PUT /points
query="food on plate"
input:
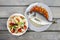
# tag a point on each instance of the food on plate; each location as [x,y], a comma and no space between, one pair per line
[38,22]
[39,10]
[35,22]
[17,24]
[39,16]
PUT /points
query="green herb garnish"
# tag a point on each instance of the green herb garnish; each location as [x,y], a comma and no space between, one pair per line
[14,27]
[21,23]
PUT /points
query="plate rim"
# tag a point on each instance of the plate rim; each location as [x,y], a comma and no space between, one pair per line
[14,33]
[41,4]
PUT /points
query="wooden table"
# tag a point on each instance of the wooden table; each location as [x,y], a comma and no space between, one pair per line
[8,7]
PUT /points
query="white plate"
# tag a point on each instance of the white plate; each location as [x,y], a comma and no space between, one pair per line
[18,34]
[41,28]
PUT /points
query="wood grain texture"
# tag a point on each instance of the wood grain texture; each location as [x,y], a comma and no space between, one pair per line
[7,11]
[31,36]
[9,7]
[27,2]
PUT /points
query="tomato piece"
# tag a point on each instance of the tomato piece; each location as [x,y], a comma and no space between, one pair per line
[11,24]
[25,27]
[13,30]
[19,30]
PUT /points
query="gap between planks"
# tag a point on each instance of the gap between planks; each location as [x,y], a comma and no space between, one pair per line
[21,6]
[31,36]
[53,28]
[28,2]
[7,11]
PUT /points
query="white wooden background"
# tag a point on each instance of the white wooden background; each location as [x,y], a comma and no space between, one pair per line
[8,7]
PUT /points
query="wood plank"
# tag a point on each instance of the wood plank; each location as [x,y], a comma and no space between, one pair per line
[40,36]
[32,36]
[7,11]
[53,27]
[27,2]
[3,24]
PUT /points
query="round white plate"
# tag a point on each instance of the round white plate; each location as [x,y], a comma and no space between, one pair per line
[18,34]
[41,28]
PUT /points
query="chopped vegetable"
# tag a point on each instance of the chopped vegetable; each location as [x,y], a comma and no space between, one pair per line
[13,30]
[11,24]
[25,27]
[22,23]
[19,30]
[14,27]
